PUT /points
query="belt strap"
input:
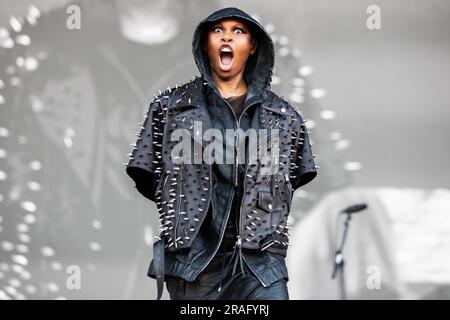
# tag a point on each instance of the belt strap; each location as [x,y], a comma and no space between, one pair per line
[158,262]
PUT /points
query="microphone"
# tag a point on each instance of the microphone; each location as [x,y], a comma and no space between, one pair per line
[355,208]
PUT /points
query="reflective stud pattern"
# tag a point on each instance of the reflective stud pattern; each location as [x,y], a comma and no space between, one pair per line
[266,202]
[182,191]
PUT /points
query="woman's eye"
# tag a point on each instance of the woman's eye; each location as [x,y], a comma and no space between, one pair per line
[219,29]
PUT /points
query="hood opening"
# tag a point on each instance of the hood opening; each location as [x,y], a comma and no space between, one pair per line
[259,66]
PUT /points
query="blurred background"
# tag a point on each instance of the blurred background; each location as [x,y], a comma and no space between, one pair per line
[76,77]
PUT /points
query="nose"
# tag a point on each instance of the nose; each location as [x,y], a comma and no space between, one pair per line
[226,36]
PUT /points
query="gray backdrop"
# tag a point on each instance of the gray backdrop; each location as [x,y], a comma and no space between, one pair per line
[70,101]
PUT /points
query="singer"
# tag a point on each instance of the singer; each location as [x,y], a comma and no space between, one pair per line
[223,225]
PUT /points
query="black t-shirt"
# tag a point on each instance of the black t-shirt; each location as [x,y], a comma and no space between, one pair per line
[237,103]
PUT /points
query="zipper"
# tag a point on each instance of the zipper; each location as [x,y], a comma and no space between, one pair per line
[238,121]
[164,186]
[233,193]
[161,190]
[177,216]
[164,183]
[236,153]
[236,183]
[239,240]
[220,240]
[288,183]
[260,280]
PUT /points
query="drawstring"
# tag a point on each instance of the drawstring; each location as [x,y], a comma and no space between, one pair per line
[237,248]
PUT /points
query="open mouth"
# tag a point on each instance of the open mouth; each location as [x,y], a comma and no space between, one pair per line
[226,58]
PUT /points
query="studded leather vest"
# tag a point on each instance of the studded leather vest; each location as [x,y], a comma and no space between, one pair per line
[182,191]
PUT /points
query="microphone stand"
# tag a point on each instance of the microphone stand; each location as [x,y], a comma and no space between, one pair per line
[339,259]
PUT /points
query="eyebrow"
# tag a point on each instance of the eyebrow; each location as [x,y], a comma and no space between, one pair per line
[236,24]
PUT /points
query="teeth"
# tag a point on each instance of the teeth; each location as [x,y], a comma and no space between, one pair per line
[226,49]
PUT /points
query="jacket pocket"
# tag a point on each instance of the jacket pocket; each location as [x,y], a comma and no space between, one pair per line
[267,201]
[178,110]
[289,191]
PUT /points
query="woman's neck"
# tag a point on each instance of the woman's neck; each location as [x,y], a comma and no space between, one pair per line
[230,88]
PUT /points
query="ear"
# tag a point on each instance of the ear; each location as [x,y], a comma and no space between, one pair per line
[254,46]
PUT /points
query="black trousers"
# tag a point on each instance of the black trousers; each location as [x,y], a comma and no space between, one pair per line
[233,285]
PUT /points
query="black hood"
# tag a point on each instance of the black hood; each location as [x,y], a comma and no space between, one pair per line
[259,67]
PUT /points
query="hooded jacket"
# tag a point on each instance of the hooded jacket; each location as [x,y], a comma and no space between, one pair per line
[194,199]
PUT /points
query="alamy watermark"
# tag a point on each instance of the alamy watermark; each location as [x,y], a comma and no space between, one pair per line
[374,19]
[263,146]
[374,279]
[73,21]
[73,281]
